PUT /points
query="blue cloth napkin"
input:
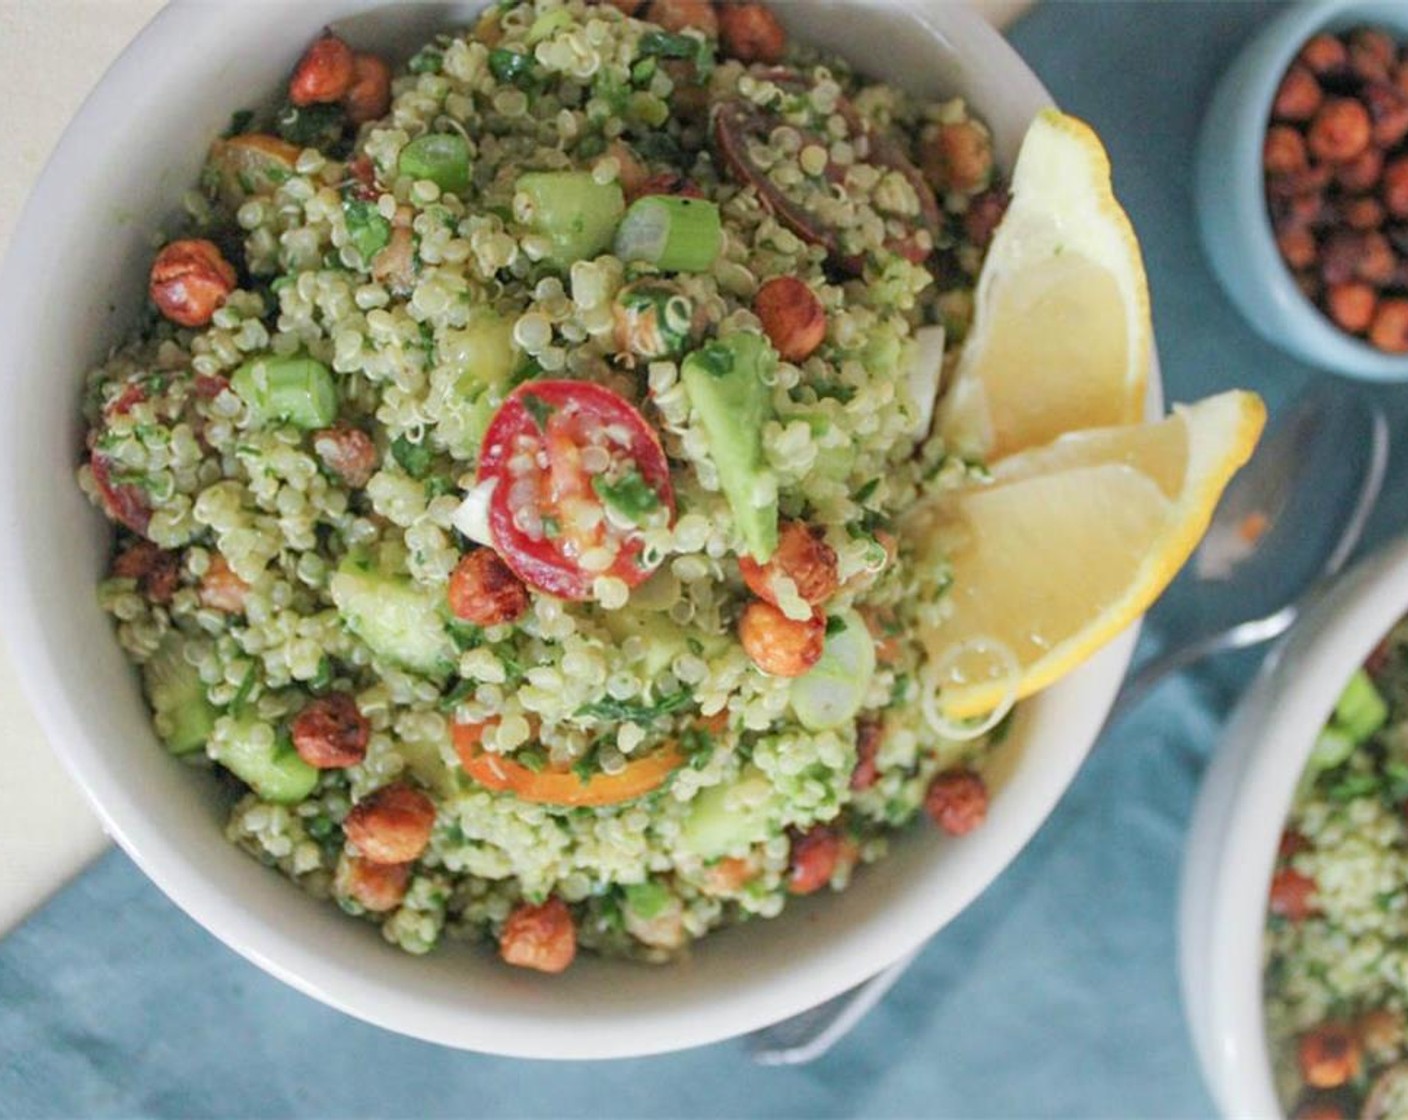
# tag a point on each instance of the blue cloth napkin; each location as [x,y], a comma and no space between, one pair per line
[1055,994]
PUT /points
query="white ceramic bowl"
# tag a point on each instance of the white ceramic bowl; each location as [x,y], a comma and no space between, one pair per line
[1241,810]
[73,282]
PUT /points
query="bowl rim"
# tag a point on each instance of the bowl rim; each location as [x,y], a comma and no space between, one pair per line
[1244,99]
[272,945]
[1263,753]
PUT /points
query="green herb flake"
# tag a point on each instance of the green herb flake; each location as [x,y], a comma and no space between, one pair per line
[835,625]
[539,409]
[368,231]
[612,710]
[511,67]
[428,60]
[630,496]
[413,458]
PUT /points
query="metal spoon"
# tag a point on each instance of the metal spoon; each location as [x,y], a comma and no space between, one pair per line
[1317,474]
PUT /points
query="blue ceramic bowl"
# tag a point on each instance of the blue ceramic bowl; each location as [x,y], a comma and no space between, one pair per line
[1232,212]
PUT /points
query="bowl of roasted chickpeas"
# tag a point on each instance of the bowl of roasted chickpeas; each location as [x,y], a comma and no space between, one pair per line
[1302,185]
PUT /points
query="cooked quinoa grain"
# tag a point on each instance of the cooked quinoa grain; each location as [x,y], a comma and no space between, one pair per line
[452,508]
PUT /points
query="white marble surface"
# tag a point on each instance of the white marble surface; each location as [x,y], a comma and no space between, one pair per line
[51,54]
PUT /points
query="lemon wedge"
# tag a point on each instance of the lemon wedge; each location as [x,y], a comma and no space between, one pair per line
[1061,334]
[1069,543]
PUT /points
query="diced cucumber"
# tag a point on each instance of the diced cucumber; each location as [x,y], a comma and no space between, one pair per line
[297,390]
[483,349]
[269,766]
[184,717]
[831,692]
[648,899]
[1332,747]
[575,212]
[726,382]
[729,818]
[396,619]
[1360,710]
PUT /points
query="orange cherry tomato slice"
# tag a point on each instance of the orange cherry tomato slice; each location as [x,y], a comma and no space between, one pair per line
[557,787]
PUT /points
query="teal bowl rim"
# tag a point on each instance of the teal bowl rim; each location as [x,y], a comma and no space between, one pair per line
[1230,193]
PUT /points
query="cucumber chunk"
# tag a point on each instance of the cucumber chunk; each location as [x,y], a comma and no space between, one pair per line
[396,619]
[184,718]
[577,214]
[726,384]
[831,692]
[262,759]
[728,819]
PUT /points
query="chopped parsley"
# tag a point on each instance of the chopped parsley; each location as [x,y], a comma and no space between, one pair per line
[632,711]
[630,496]
[539,409]
[366,228]
[413,458]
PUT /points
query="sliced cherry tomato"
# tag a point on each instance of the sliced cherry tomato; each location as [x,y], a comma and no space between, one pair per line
[577,470]
[123,502]
[553,787]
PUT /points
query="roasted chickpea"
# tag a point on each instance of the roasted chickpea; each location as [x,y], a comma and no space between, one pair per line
[347,452]
[803,556]
[956,157]
[1377,261]
[220,589]
[540,937]
[728,875]
[369,96]
[1389,330]
[190,280]
[1351,305]
[816,857]
[324,74]
[377,887]
[1283,151]
[633,173]
[331,732]
[792,317]
[1297,246]
[1381,1033]
[1298,97]
[391,825]
[1365,213]
[677,15]
[870,733]
[1340,131]
[156,571]
[1395,187]
[484,591]
[1328,1056]
[1324,54]
[751,33]
[1388,109]
[1292,895]
[957,801]
[1362,173]
[777,644]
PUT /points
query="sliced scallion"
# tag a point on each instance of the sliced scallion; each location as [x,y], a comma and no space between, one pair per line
[674,234]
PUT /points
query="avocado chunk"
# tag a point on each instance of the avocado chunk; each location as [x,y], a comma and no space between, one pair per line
[396,619]
[184,718]
[271,768]
[726,384]
[731,817]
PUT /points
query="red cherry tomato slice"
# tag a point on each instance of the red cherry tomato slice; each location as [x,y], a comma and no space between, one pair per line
[577,472]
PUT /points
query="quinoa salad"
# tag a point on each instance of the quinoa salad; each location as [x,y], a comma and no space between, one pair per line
[1336,944]
[506,474]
